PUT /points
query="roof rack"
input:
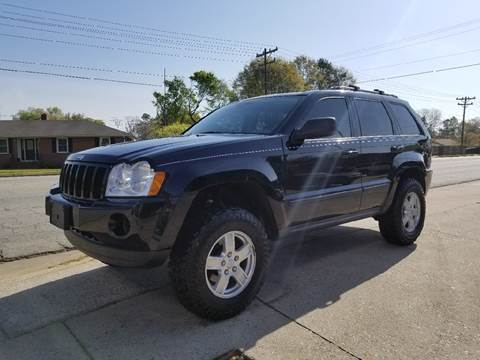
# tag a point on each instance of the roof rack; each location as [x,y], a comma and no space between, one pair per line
[357,88]
[347,87]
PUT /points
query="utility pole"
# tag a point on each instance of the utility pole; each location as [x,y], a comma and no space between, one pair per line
[265,63]
[465,101]
[164,79]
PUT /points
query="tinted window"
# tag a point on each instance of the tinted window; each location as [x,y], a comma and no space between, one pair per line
[336,108]
[406,122]
[256,116]
[374,119]
[3,146]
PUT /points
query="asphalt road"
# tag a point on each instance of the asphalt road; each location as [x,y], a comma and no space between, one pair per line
[25,231]
[343,293]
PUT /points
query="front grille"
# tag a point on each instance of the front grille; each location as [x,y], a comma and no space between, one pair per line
[83,181]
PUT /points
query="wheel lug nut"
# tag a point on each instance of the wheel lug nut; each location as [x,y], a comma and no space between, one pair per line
[234,269]
[235,258]
[229,254]
[223,263]
[226,272]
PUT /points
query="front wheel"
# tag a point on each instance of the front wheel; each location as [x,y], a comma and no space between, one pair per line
[403,222]
[218,268]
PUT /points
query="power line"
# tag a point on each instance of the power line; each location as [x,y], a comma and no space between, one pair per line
[87,68]
[72,43]
[127,33]
[421,60]
[77,77]
[420,73]
[142,34]
[405,46]
[410,38]
[148,43]
[404,86]
[465,101]
[91,19]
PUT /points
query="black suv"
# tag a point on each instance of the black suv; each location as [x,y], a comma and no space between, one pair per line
[213,200]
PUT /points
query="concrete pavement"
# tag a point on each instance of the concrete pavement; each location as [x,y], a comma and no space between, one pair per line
[342,293]
[25,230]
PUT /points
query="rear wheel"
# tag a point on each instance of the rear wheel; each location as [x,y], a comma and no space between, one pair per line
[403,222]
[218,268]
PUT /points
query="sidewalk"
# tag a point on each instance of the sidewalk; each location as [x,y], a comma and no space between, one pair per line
[341,294]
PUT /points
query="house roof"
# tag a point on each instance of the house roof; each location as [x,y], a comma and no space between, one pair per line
[56,128]
[444,142]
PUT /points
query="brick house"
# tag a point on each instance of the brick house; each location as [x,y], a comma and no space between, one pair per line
[48,142]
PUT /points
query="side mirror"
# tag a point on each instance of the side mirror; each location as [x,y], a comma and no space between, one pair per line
[313,129]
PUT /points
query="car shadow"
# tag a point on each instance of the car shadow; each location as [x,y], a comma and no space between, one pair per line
[133,313]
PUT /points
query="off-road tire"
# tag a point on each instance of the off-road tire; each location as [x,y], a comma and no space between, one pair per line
[188,256]
[390,223]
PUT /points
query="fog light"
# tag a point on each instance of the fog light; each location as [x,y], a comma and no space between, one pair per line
[119,225]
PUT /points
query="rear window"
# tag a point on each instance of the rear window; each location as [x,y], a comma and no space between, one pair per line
[408,125]
[374,119]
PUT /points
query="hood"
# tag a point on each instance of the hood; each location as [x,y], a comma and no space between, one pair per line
[165,150]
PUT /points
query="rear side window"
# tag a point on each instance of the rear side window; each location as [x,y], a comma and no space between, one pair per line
[333,107]
[374,119]
[408,125]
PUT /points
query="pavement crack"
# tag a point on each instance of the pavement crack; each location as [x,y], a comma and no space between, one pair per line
[8,259]
[85,350]
[454,183]
[64,319]
[307,328]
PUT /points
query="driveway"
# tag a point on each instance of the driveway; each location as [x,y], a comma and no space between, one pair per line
[25,231]
[343,293]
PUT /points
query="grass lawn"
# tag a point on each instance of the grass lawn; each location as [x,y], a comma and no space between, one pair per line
[28,172]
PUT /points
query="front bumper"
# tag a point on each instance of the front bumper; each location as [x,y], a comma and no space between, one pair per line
[123,232]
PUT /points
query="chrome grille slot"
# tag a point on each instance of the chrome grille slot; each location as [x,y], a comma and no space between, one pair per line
[83,181]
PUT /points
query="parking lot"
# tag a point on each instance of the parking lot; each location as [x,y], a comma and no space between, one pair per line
[340,293]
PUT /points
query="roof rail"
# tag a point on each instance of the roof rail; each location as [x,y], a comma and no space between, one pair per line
[357,88]
[347,87]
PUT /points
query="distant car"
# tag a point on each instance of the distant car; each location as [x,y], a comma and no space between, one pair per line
[215,199]
[472,150]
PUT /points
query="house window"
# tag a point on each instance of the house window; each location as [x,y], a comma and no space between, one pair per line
[4,146]
[104,141]
[62,145]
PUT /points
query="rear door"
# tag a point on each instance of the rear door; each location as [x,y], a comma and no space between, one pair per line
[322,177]
[411,135]
[378,144]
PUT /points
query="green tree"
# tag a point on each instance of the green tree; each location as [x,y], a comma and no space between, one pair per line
[451,128]
[282,77]
[332,75]
[309,70]
[175,104]
[180,104]
[53,113]
[209,92]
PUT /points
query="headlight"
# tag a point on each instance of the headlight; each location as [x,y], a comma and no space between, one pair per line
[138,179]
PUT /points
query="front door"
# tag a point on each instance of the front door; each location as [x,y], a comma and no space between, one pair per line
[322,177]
[29,151]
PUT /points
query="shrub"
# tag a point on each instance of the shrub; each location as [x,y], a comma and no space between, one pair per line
[171,130]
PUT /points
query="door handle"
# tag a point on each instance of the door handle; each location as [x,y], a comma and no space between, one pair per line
[397,148]
[350,153]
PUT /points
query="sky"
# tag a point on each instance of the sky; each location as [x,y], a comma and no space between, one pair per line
[374,39]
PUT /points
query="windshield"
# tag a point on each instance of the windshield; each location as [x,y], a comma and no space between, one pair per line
[256,116]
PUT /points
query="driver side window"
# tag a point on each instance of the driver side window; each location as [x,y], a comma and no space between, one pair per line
[333,107]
